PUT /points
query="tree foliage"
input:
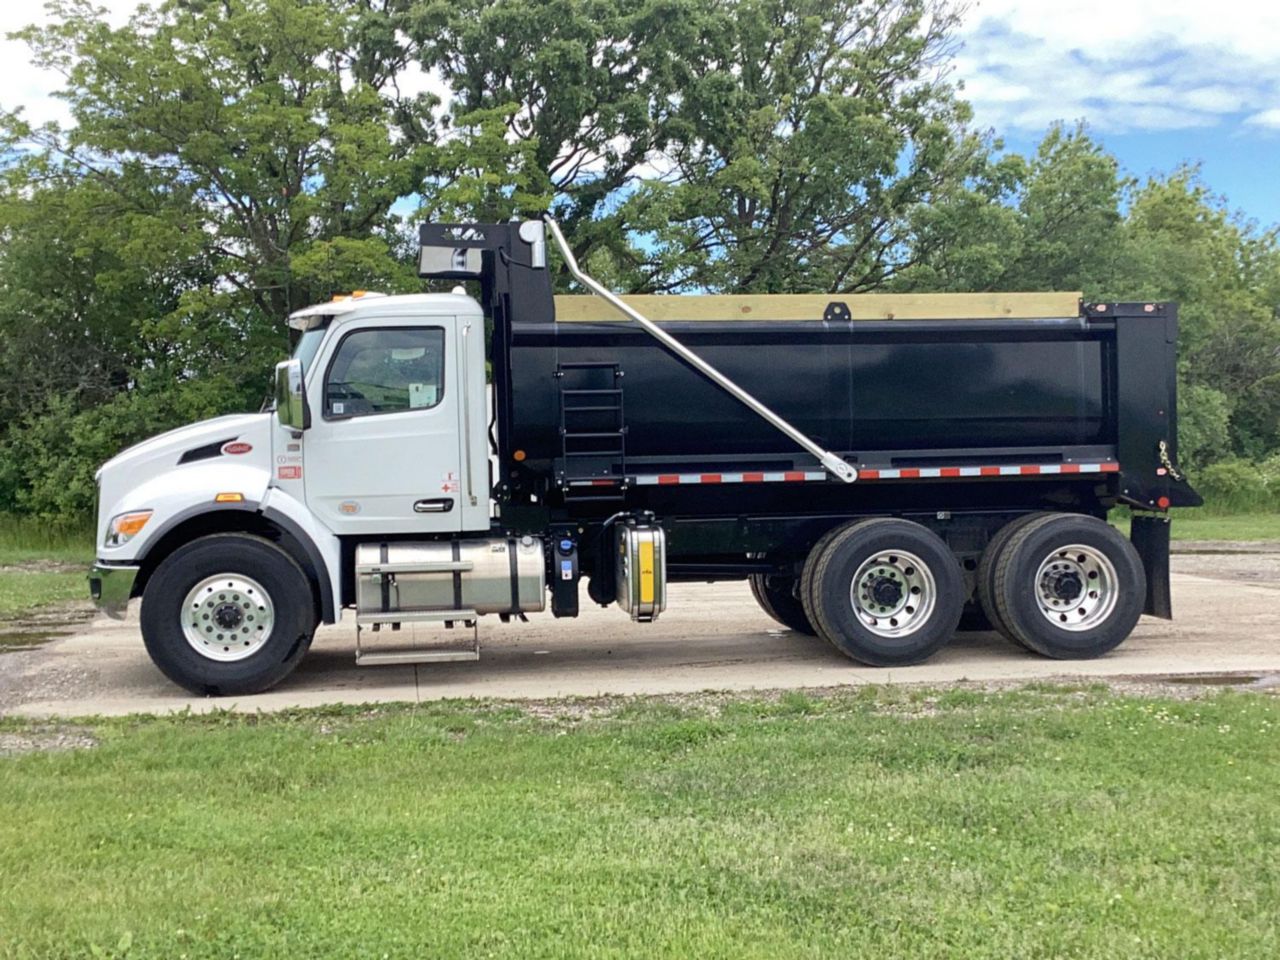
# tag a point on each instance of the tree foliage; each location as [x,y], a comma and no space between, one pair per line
[806,133]
[228,161]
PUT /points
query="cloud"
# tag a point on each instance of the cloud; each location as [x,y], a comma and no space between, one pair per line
[1265,118]
[1123,65]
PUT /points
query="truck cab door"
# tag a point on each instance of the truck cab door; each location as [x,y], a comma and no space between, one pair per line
[385,453]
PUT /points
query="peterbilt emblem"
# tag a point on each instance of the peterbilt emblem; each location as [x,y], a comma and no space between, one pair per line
[236,448]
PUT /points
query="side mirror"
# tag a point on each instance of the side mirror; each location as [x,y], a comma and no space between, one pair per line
[291,397]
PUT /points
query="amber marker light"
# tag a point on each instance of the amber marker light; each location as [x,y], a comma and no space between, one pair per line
[229,498]
[125,526]
[518,456]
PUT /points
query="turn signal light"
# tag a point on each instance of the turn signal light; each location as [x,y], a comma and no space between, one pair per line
[125,526]
[229,498]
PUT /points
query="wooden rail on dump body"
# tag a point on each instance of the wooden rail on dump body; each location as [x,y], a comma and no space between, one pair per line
[810,306]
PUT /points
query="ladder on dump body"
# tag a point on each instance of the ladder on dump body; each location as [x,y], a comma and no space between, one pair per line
[593,430]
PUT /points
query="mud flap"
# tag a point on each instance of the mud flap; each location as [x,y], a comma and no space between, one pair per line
[1150,537]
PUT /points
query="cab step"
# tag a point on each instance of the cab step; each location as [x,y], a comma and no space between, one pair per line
[422,653]
[374,658]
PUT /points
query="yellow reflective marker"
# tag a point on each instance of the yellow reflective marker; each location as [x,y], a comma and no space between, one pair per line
[229,498]
[646,571]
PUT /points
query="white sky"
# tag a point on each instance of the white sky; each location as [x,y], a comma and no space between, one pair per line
[1125,65]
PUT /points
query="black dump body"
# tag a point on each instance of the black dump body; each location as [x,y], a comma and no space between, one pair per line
[944,418]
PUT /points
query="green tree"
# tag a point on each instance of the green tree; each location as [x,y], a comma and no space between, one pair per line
[258,128]
[808,132]
[1181,243]
[568,101]
[228,162]
[1051,221]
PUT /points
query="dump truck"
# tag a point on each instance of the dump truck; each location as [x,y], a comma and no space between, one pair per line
[878,469]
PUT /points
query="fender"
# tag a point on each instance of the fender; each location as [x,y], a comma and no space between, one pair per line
[176,506]
[323,552]
[323,548]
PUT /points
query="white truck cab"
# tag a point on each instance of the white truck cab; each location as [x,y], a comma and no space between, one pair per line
[395,390]
[380,432]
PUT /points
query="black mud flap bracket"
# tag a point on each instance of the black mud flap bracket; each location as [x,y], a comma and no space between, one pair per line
[1150,537]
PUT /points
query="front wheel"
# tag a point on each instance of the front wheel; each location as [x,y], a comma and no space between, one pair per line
[885,592]
[1069,587]
[228,614]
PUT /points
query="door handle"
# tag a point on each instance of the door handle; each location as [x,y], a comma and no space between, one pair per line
[438,505]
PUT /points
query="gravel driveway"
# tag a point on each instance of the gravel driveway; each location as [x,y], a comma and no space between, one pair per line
[712,637]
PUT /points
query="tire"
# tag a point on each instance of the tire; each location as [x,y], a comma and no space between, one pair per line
[241,649]
[806,573]
[1069,587]
[777,597]
[986,576]
[894,560]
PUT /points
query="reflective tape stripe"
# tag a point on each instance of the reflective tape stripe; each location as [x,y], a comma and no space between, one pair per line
[879,473]
[789,476]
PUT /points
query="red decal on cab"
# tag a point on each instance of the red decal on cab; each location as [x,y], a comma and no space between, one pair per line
[235,449]
[289,473]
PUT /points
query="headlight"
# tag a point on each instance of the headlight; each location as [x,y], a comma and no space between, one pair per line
[125,526]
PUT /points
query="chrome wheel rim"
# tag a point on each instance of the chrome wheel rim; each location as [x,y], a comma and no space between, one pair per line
[893,593]
[227,617]
[1076,588]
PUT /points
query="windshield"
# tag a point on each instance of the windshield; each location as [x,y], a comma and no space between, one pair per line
[307,345]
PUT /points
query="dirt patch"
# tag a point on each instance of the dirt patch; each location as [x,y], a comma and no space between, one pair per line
[1217,679]
[42,625]
[46,739]
[1256,567]
[1225,546]
[42,566]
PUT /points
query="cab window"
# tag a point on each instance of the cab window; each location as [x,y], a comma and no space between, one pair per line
[385,371]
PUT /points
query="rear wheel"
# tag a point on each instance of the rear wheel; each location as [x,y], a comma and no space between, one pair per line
[228,614]
[885,592]
[986,576]
[1069,587]
[777,597]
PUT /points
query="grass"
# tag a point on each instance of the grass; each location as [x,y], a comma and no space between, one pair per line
[36,555]
[1043,822]
[1249,526]
[1200,524]
[23,590]
[23,541]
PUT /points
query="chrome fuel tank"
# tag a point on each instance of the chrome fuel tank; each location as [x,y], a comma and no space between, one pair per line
[505,575]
